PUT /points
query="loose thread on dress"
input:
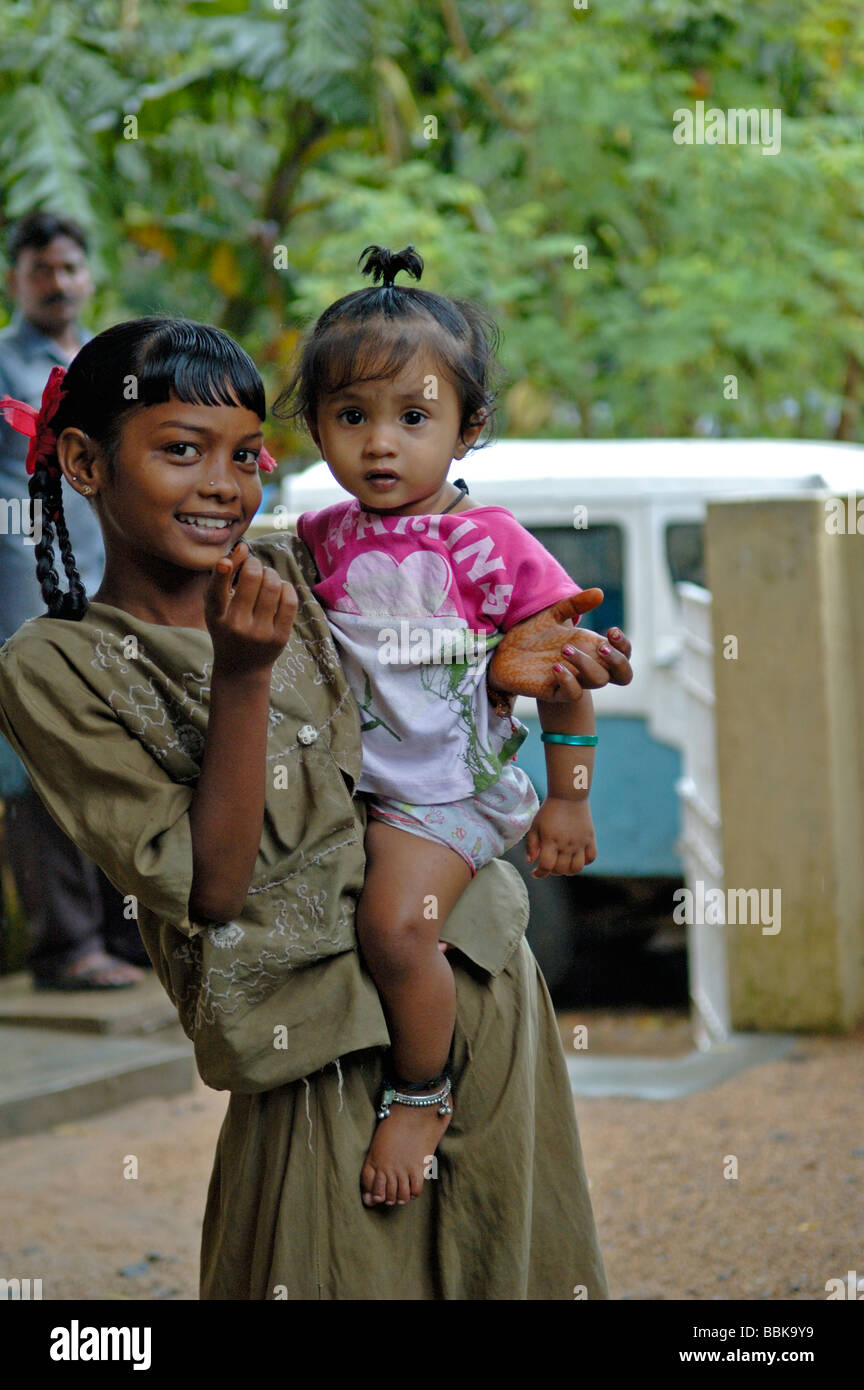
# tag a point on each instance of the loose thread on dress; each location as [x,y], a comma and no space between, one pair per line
[308,1115]
[339,1073]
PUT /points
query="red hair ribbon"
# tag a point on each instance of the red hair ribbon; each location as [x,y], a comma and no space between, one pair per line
[36,423]
[266,461]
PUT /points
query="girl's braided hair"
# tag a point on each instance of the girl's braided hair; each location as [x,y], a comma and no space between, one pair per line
[374,333]
[125,369]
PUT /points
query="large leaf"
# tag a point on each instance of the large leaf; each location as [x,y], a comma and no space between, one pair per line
[42,156]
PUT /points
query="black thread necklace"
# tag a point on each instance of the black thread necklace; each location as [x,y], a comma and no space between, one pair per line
[463,492]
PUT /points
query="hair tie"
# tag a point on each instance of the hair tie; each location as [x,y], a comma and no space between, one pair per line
[43,445]
[266,462]
[35,425]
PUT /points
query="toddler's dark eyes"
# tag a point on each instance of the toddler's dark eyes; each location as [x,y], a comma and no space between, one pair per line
[352,416]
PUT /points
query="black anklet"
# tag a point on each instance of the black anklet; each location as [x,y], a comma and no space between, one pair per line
[412,1087]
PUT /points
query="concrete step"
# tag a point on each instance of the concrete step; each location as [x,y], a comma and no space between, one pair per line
[46,1079]
[145,1008]
[665,1078]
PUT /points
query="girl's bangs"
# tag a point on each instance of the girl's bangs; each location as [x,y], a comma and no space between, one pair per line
[202,368]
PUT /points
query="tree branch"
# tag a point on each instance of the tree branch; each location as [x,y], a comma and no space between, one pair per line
[305,127]
[459,39]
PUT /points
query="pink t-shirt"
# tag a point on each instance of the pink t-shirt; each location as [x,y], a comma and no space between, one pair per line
[401,593]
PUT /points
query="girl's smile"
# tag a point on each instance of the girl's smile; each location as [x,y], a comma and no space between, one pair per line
[390,442]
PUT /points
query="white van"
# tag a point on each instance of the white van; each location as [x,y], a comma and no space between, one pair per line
[627,516]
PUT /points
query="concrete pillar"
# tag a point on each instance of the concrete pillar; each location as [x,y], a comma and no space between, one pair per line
[790,755]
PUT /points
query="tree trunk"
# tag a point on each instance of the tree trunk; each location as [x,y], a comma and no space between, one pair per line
[847,426]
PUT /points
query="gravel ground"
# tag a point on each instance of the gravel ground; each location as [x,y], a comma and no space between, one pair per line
[672,1226]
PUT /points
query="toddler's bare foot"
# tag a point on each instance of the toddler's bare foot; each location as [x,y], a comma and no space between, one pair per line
[400,1149]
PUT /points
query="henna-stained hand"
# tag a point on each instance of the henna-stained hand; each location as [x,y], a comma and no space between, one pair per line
[524,662]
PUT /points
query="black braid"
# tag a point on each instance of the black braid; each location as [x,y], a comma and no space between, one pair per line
[46,488]
[76,599]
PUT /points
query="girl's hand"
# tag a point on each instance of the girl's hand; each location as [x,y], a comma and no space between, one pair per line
[548,658]
[562,835]
[251,623]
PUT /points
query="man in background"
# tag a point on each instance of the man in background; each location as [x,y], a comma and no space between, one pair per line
[72,910]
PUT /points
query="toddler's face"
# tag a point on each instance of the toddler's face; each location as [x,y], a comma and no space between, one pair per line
[391,442]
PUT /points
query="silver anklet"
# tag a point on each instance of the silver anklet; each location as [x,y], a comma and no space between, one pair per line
[391,1096]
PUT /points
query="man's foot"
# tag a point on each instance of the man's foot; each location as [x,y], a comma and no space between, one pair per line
[400,1150]
[96,970]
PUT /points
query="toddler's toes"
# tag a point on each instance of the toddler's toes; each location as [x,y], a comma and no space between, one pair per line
[372,1183]
[392,1189]
[403,1188]
[379,1187]
[367,1181]
[417,1182]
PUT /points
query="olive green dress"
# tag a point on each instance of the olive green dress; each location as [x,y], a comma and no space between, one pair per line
[109,715]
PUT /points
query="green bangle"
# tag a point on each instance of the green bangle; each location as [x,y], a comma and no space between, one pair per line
[588,740]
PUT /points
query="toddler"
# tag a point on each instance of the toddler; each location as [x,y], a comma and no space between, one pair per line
[419,586]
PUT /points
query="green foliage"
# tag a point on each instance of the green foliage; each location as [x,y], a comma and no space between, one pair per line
[311,127]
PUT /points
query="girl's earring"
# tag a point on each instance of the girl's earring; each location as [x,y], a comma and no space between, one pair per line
[86,488]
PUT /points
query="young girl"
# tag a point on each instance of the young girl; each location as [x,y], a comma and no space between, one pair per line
[418,586]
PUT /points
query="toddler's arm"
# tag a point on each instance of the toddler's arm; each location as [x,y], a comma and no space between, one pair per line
[561,838]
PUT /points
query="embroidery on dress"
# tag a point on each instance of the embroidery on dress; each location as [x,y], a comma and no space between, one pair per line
[161,722]
[229,935]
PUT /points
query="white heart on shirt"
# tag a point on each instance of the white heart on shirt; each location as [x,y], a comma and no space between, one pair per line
[382,587]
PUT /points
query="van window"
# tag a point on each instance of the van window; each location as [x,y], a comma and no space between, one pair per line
[685,552]
[594,558]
